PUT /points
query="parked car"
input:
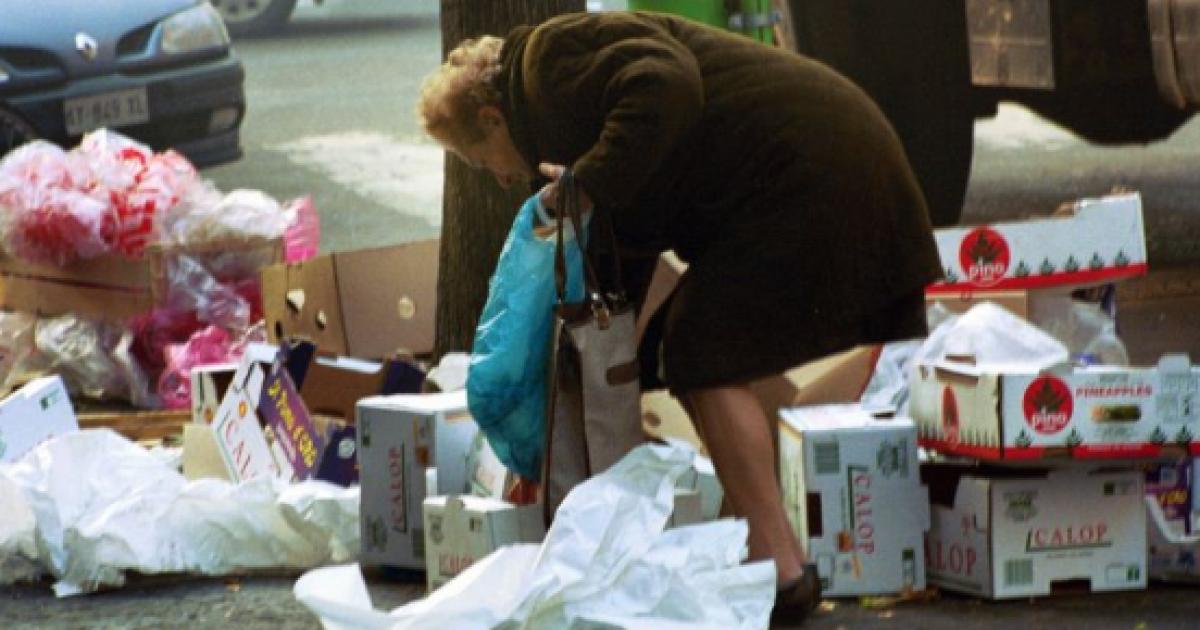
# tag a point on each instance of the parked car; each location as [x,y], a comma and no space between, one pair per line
[160,71]
[255,17]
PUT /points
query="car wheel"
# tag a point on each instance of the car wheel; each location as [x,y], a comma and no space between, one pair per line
[254,17]
[14,131]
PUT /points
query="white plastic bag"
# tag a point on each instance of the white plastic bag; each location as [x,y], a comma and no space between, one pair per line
[992,336]
[606,562]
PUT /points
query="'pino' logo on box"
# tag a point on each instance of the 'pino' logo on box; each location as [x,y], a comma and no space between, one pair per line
[1048,405]
[984,256]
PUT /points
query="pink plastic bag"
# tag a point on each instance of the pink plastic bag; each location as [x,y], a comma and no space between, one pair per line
[60,227]
[209,346]
[48,218]
[159,186]
[302,239]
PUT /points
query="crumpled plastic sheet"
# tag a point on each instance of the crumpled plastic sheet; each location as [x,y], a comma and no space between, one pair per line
[193,288]
[16,345]
[101,506]
[606,563]
[888,388]
[994,337]
[95,358]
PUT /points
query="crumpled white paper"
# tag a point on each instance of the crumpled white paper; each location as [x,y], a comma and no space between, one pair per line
[96,505]
[606,562]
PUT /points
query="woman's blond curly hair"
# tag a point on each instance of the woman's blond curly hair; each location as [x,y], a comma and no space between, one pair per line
[452,95]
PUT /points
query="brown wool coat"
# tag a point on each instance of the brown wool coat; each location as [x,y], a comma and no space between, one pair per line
[779,181]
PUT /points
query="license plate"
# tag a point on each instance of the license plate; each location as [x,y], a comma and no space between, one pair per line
[114,109]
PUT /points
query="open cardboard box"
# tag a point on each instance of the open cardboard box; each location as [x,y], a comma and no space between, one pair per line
[368,303]
[113,287]
[1100,241]
[1005,533]
[1021,413]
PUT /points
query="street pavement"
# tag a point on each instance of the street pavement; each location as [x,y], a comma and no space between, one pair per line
[331,115]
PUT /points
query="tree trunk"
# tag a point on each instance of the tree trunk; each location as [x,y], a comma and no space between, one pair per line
[476,212]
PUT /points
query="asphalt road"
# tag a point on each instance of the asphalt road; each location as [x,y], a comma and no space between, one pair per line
[331,115]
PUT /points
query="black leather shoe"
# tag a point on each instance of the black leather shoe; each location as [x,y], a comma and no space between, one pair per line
[796,601]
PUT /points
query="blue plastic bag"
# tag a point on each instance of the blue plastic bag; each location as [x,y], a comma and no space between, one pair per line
[506,381]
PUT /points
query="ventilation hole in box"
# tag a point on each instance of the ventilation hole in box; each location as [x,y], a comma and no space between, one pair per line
[813,514]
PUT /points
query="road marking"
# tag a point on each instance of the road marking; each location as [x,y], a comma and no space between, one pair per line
[1016,128]
[406,177]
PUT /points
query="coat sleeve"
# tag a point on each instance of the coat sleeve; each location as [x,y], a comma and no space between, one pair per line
[650,95]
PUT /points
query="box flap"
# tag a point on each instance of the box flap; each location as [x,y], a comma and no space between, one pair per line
[388,298]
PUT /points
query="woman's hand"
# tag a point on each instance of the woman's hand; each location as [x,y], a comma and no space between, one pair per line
[549,192]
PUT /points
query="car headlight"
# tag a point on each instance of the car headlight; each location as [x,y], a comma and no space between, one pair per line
[198,28]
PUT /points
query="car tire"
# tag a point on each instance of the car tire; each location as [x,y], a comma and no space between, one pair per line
[14,131]
[254,17]
[925,90]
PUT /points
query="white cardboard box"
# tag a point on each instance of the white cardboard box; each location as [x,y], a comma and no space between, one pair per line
[1102,241]
[461,530]
[1014,534]
[1016,412]
[398,438]
[852,491]
[239,434]
[33,414]
[209,384]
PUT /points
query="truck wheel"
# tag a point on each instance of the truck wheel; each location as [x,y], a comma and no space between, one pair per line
[254,17]
[912,58]
[14,131]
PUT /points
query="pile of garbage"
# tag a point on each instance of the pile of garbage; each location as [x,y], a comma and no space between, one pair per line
[114,198]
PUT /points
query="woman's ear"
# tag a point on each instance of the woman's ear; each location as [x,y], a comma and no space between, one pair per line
[490,117]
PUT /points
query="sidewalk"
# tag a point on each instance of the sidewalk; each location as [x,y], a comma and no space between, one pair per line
[265,602]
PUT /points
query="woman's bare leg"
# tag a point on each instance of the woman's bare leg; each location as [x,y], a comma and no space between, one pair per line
[738,435]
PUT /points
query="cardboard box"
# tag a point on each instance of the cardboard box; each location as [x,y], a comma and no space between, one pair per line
[853,495]
[33,414]
[1002,534]
[240,438]
[110,287]
[664,418]
[332,386]
[369,303]
[461,530]
[289,424]
[838,378]
[1172,553]
[201,455]
[488,477]
[398,438]
[1014,413]
[1101,241]
[209,384]
[1170,484]
[701,479]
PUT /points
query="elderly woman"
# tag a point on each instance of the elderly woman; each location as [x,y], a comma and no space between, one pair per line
[777,180]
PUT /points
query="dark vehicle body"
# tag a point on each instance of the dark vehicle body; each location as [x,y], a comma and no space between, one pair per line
[67,66]
[1112,71]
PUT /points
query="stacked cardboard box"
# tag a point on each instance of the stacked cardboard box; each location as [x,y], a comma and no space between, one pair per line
[852,491]
[399,438]
[1005,531]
